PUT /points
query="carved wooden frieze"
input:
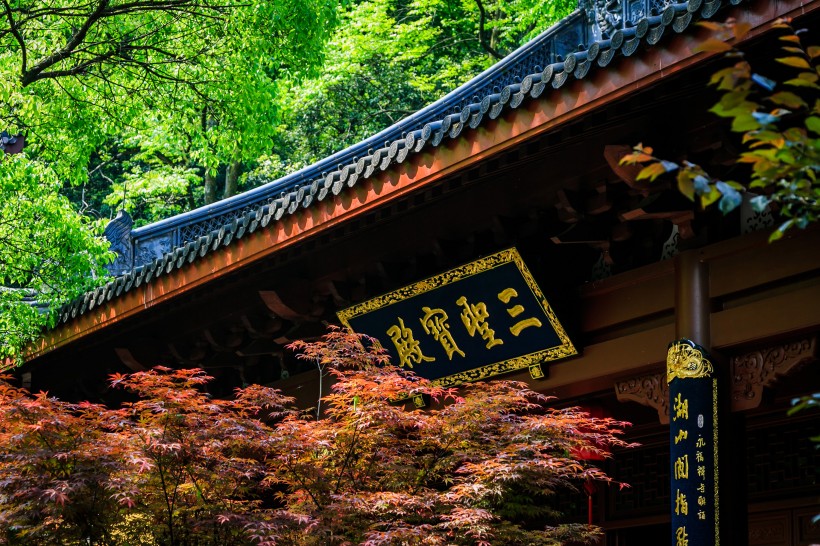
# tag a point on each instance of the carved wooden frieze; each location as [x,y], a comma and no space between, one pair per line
[648,390]
[753,371]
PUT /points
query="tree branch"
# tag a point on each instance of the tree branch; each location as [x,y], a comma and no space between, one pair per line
[75,40]
[482,36]
[15,31]
[74,71]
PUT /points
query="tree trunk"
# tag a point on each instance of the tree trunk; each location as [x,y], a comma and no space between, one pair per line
[231,178]
[210,188]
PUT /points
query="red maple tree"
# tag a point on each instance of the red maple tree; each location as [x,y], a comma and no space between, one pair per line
[177,467]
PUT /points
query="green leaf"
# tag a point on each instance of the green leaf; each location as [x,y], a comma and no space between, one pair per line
[797,62]
[745,122]
[797,50]
[734,102]
[701,184]
[804,79]
[686,185]
[759,203]
[788,99]
[813,124]
[730,198]
[759,138]
[709,198]
[724,78]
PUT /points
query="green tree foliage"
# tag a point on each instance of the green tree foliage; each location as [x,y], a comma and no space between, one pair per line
[175,467]
[390,58]
[47,251]
[199,76]
[780,126]
[163,91]
[167,103]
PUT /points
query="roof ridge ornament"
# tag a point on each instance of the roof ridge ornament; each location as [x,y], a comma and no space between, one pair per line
[608,16]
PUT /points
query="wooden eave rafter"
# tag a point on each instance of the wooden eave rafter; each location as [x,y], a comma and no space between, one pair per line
[535,117]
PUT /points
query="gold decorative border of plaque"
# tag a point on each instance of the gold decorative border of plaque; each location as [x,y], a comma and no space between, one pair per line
[511,255]
[715,460]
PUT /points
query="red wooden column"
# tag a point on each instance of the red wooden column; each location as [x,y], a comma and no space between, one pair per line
[700,500]
[692,303]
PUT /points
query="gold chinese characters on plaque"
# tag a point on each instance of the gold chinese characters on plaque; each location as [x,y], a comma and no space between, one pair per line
[476,321]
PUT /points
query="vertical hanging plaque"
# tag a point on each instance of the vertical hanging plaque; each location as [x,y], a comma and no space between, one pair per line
[693,442]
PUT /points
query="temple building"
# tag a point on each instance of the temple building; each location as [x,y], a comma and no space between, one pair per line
[518,166]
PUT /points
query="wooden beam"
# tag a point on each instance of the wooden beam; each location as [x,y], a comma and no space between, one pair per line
[130,361]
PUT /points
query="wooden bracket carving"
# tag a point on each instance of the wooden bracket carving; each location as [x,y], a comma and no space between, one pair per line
[755,370]
[293,303]
[274,302]
[648,390]
[751,372]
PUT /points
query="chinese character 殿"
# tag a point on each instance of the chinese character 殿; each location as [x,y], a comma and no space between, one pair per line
[406,345]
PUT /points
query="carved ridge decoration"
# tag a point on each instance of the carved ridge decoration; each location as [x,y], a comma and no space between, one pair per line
[753,371]
[648,390]
[608,15]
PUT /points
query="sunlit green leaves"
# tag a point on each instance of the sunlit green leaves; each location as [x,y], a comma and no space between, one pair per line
[176,88]
[157,191]
[796,62]
[783,157]
[389,58]
[48,253]
[204,73]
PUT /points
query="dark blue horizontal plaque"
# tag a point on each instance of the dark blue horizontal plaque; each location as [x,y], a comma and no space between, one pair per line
[479,320]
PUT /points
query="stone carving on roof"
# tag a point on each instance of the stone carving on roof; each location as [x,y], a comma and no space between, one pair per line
[608,16]
[152,249]
[118,233]
[12,144]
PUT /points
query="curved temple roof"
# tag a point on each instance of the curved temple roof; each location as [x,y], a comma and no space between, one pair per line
[591,36]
